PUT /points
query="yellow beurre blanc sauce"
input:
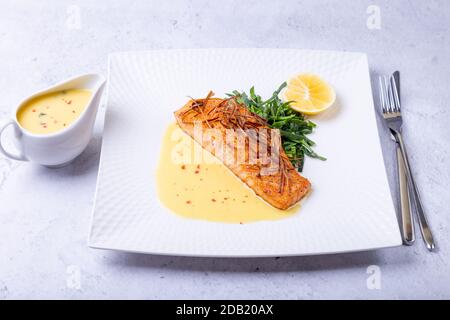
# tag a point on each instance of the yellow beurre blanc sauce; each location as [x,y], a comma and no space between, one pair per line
[192,183]
[54,111]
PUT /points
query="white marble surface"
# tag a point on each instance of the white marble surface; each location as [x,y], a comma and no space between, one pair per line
[44,214]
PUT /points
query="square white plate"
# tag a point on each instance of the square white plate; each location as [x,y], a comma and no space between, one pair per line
[350,208]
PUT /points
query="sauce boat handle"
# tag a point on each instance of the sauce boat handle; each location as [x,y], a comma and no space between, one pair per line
[21,156]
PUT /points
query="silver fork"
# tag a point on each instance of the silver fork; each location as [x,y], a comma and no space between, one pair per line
[391,110]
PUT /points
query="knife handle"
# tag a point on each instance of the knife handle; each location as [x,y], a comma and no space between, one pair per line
[405,206]
[423,223]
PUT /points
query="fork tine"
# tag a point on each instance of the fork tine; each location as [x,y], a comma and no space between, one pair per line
[396,97]
[388,100]
[390,97]
[383,95]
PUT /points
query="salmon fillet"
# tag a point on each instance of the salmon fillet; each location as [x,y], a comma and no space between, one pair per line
[280,185]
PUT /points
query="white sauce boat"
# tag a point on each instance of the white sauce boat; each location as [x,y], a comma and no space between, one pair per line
[61,147]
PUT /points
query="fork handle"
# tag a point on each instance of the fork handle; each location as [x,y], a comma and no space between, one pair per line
[405,205]
[423,223]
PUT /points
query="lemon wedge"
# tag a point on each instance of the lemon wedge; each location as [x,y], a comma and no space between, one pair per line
[309,93]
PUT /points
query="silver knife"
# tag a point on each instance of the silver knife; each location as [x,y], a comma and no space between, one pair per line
[413,192]
[405,203]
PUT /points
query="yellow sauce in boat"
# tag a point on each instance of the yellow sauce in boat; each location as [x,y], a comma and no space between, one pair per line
[205,188]
[54,111]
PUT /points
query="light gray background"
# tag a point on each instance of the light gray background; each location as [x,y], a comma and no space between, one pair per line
[45,214]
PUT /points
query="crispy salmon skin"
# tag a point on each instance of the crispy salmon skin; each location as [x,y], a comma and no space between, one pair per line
[283,187]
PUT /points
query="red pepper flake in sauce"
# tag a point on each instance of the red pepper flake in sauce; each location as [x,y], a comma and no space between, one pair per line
[188,202]
[69,102]
[225,198]
[213,200]
[196,171]
[34,110]
[183,167]
[198,166]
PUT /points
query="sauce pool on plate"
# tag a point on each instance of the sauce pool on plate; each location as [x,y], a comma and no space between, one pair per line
[206,189]
[54,111]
